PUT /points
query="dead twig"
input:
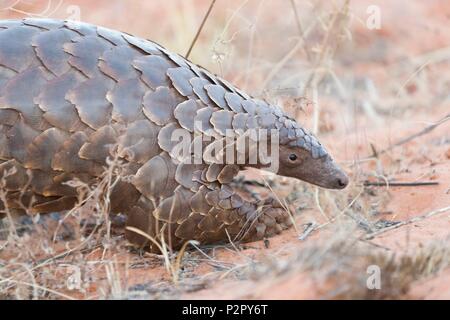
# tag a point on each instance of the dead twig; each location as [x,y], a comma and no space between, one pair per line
[406,222]
[399,184]
[308,228]
[413,136]
[200,28]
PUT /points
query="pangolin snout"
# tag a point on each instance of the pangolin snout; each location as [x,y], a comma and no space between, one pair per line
[333,175]
[341,181]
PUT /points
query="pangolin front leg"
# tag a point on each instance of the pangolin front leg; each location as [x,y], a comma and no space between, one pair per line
[202,209]
[209,213]
[271,215]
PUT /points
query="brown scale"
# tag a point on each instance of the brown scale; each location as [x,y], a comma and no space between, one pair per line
[58,111]
[73,95]
[126,99]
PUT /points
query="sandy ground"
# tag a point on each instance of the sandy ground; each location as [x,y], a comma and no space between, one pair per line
[392,83]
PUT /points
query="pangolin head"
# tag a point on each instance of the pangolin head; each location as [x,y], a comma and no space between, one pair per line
[303,157]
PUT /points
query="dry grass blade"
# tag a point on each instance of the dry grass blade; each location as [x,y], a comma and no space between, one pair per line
[172,268]
[38,287]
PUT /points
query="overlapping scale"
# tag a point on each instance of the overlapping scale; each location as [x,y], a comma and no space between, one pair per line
[84,29]
[228,173]
[180,78]
[43,148]
[112,36]
[234,102]
[67,159]
[43,23]
[188,229]
[127,100]
[116,63]
[174,209]
[198,203]
[202,122]
[161,169]
[85,52]
[20,91]
[217,94]
[167,137]
[90,101]
[186,112]
[15,51]
[146,46]
[99,145]
[49,48]
[222,122]
[185,173]
[19,138]
[198,87]
[153,69]
[159,105]
[58,111]
[139,143]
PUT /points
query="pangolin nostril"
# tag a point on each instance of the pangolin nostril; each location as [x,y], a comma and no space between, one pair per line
[342,182]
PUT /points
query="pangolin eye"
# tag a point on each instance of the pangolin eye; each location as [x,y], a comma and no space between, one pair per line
[292,157]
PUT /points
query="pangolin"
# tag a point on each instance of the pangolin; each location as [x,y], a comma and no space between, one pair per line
[73,95]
